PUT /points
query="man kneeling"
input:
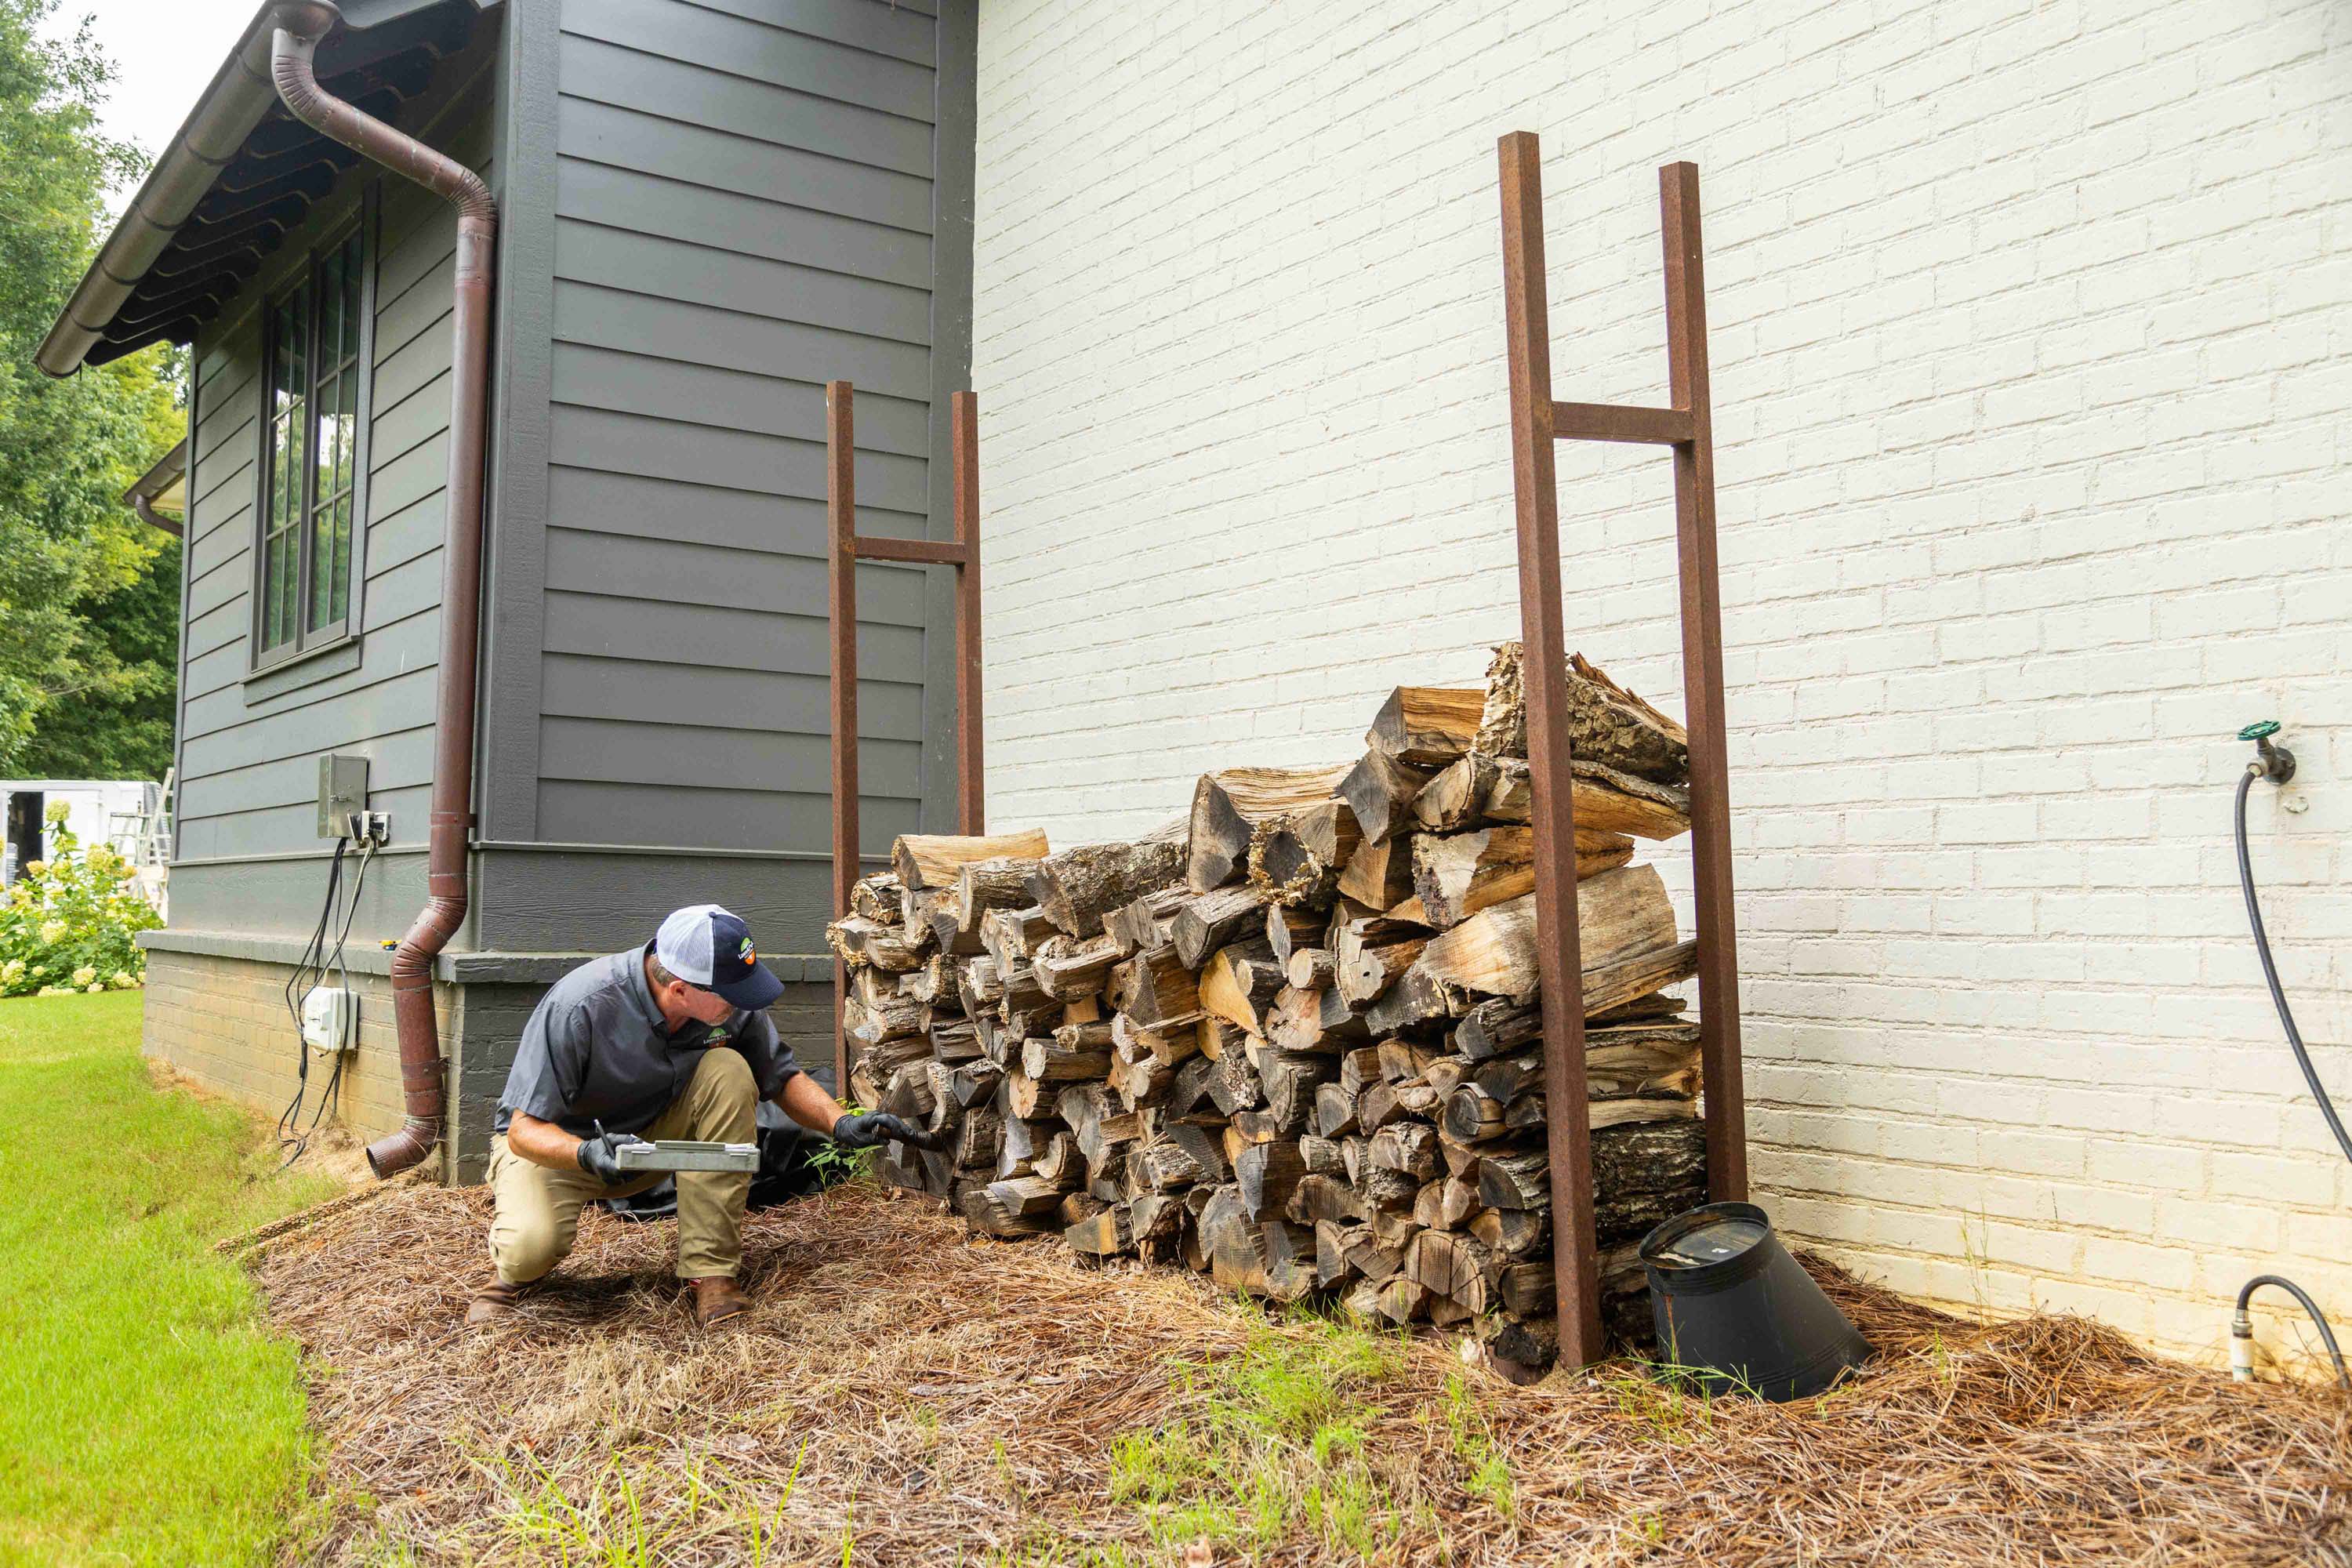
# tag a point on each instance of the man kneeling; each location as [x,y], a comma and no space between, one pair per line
[668,1040]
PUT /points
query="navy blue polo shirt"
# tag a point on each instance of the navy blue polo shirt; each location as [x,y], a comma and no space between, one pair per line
[597,1050]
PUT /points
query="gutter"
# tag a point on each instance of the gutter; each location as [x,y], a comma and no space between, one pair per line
[299,26]
[169,470]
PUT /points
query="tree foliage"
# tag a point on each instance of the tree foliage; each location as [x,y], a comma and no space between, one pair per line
[84,677]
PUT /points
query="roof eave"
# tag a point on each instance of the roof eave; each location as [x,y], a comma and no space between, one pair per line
[240,94]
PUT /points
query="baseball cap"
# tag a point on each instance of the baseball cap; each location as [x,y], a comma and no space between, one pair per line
[708,946]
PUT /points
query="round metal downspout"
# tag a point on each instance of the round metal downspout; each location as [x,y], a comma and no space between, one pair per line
[299,26]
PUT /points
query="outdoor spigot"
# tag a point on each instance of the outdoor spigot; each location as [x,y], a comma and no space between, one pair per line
[2275,763]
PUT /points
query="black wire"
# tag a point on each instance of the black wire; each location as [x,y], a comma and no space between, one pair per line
[311,963]
[330,1098]
[2303,1060]
[2270,974]
[2327,1334]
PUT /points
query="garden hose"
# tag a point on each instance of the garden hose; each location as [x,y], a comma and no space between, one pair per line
[2277,764]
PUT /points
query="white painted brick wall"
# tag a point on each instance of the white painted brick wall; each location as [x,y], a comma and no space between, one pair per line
[2031,334]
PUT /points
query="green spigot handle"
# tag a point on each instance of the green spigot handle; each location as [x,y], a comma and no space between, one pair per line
[2275,763]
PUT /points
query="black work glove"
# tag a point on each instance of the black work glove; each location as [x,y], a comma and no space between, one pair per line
[598,1155]
[869,1131]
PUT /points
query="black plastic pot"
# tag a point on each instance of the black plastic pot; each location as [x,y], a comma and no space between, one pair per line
[1735,1311]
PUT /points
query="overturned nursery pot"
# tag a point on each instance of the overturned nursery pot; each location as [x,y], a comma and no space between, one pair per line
[1736,1311]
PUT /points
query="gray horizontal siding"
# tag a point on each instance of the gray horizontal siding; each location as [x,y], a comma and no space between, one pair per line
[743,207]
[248,747]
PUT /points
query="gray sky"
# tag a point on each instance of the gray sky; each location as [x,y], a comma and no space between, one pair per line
[163,53]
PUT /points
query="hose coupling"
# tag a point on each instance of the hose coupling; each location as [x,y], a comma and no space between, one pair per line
[2241,1347]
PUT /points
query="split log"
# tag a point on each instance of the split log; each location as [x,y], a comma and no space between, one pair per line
[1013,935]
[1313,1020]
[1043,1061]
[1144,923]
[1296,858]
[1077,886]
[1381,791]
[1066,968]
[1289,929]
[1372,954]
[1606,723]
[1455,875]
[1235,1249]
[1378,874]
[1155,988]
[1619,914]
[1456,1265]
[1426,726]
[1228,804]
[984,885]
[1289,1253]
[890,1020]
[1266,1175]
[1206,921]
[878,898]
[1308,968]
[1479,788]
[934,860]
[1239,982]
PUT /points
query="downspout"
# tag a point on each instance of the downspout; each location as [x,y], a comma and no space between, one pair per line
[299,27]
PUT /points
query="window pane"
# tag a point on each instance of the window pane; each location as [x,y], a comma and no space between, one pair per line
[273,624]
[331,311]
[342,601]
[351,279]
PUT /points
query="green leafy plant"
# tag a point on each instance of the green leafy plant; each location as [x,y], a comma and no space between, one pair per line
[835,1164]
[71,922]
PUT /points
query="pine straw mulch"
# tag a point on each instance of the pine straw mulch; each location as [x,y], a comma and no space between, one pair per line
[931,1399]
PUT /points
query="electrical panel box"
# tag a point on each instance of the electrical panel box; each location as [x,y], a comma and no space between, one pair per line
[343,790]
[330,1019]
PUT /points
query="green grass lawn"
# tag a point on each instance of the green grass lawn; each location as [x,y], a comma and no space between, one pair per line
[146,1415]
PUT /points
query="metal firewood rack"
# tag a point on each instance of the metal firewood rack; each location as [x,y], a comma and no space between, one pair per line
[847,548]
[1537,422]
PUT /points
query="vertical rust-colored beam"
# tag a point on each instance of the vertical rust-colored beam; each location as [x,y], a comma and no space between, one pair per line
[841,610]
[1559,967]
[1702,620]
[972,798]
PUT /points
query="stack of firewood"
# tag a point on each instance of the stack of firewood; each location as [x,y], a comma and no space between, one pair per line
[1292,1039]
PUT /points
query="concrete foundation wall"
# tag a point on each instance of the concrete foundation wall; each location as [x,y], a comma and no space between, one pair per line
[2030,328]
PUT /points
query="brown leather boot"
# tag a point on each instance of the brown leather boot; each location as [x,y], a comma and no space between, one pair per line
[493,1303]
[717,1298]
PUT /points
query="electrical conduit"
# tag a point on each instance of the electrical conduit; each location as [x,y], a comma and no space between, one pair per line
[299,29]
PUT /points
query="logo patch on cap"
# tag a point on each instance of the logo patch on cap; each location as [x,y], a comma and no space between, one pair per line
[749,956]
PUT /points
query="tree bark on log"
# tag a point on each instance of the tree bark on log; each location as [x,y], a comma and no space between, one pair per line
[1077,886]
[1606,723]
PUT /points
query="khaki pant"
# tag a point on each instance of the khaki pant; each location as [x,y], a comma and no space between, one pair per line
[539,1209]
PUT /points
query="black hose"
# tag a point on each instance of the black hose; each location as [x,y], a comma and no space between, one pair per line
[2270,972]
[2310,1075]
[2327,1334]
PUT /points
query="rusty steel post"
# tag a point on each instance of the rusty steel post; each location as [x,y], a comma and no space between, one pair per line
[847,550]
[1559,967]
[971,797]
[841,611]
[1702,627]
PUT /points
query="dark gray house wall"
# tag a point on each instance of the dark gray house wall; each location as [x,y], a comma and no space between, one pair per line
[732,203]
[248,860]
[708,208]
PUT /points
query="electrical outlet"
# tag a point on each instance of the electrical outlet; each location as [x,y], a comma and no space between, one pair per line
[376,829]
[330,1019]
